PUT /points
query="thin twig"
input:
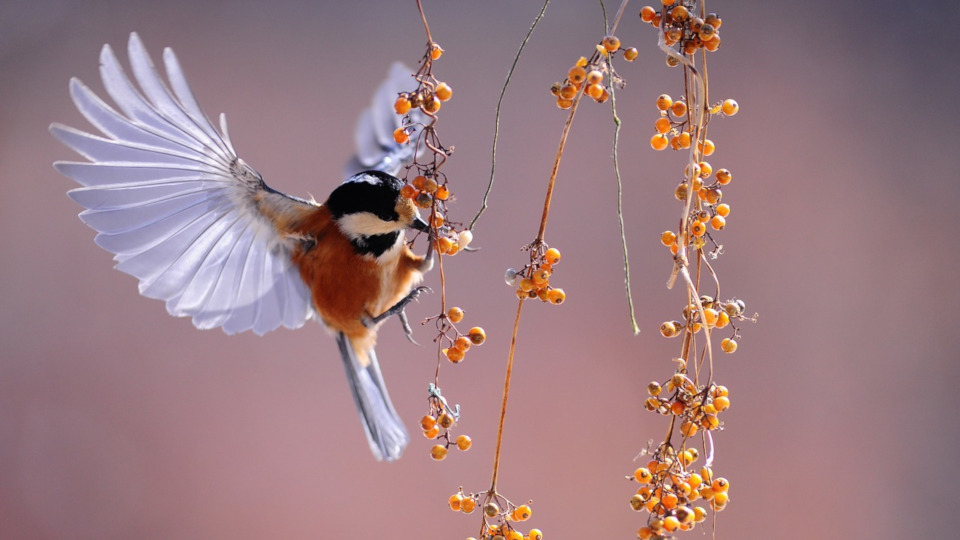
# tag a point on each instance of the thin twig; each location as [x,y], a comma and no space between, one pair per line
[496,122]
[616,170]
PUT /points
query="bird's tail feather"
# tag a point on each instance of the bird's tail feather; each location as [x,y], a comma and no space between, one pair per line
[385,431]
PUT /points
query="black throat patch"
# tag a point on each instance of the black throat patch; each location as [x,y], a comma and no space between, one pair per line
[376,244]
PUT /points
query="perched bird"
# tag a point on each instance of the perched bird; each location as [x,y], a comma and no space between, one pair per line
[200,229]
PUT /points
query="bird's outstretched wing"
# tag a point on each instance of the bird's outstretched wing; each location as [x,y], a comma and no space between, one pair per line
[373,136]
[168,195]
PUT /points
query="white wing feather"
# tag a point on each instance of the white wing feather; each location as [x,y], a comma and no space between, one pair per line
[169,197]
[373,136]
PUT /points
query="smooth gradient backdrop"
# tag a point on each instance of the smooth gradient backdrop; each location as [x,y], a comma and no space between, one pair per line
[119,421]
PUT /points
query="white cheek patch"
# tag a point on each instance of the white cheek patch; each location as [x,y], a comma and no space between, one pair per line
[366,224]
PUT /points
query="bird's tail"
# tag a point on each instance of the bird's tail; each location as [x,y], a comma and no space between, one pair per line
[385,431]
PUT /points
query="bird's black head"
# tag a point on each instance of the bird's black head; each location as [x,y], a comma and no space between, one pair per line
[369,210]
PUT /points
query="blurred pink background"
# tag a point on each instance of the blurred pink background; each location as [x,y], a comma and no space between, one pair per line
[119,421]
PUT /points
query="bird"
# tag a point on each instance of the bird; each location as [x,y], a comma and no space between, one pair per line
[201,230]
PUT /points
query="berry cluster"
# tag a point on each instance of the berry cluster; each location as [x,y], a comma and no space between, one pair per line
[683,27]
[592,76]
[669,488]
[459,343]
[437,425]
[670,484]
[429,190]
[715,314]
[533,280]
[500,516]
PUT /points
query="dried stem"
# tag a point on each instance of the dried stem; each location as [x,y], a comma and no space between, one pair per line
[556,167]
[503,403]
[426,26]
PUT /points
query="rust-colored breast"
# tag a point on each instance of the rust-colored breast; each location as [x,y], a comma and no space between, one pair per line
[345,285]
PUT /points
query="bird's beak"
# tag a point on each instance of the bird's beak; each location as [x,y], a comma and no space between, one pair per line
[420,225]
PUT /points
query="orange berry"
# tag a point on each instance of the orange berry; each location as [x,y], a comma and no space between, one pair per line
[418,181]
[446,421]
[443,193]
[432,433]
[564,103]
[723,210]
[662,125]
[721,403]
[647,13]
[464,442]
[710,317]
[669,329]
[552,256]
[719,500]
[678,14]
[402,105]
[523,512]
[568,91]
[720,391]
[680,192]
[400,135]
[430,186]
[541,277]
[684,140]
[477,335]
[659,141]
[724,176]
[718,223]
[595,77]
[664,102]
[645,533]
[463,343]
[454,354]
[728,345]
[713,44]
[610,43]
[677,408]
[643,475]
[535,534]
[630,54]
[455,315]
[679,108]
[444,244]
[713,196]
[705,169]
[710,421]
[428,422]
[435,51]
[408,191]
[707,147]
[723,320]
[431,105]
[668,238]
[443,91]
[595,91]
[438,452]
[468,505]
[556,296]
[455,502]
[689,429]
[697,228]
[576,75]
[671,523]
[730,107]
